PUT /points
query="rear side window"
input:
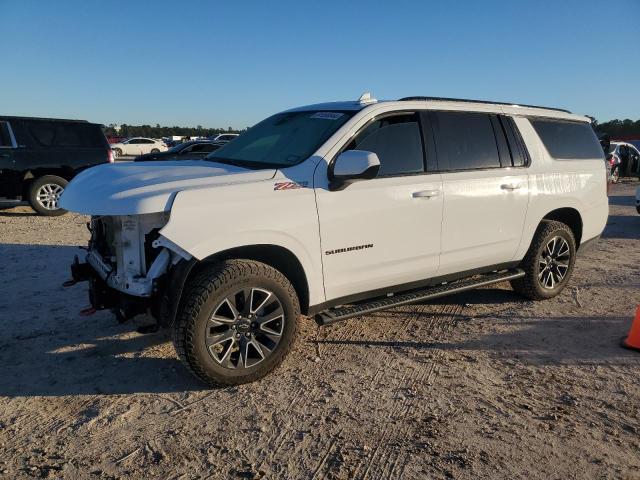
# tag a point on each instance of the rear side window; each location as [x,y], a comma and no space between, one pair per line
[568,140]
[517,148]
[5,137]
[397,142]
[465,141]
[202,147]
[62,134]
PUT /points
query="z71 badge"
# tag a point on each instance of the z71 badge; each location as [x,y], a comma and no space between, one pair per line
[289,185]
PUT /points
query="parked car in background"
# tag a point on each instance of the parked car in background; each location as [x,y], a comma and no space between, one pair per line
[638,199]
[115,139]
[624,160]
[225,137]
[138,146]
[192,150]
[39,156]
[339,210]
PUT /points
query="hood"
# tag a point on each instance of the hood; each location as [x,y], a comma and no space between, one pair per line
[131,188]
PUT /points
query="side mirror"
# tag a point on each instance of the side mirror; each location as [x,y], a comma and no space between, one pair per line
[351,166]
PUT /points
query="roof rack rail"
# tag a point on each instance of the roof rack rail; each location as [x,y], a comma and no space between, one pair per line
[19,117]
[446,99]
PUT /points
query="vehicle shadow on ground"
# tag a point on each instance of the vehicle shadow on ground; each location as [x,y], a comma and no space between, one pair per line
[48,349]
[622,200]
[534,340]
[13,212]
[623,227]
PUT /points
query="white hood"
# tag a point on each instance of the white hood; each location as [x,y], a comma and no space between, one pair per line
[133,188]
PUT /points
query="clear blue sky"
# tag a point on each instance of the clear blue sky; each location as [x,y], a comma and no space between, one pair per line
[220,64]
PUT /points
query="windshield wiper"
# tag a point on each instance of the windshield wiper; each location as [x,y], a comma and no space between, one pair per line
[245,163]
[227,161]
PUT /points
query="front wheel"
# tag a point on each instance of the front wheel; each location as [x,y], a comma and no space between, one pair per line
[44,194]
[548,263]
[237,322]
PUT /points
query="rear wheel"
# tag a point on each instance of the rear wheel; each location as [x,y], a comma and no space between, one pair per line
[237,322]
[44,194]
[615,175]
[155,150]
[548,263]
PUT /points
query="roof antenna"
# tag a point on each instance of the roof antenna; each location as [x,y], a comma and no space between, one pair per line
[366,98]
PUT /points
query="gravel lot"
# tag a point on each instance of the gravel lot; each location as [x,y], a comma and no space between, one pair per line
[478,385]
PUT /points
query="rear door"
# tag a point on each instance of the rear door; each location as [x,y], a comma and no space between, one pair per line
[8,172]
[149,145]
[485,186]
[132,147]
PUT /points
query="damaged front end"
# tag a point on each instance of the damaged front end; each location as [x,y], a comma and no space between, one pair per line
[129,265]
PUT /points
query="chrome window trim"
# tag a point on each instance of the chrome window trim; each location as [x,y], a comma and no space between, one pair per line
[12,137]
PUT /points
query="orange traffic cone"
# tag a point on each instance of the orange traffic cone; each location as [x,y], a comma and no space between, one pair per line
[633,339]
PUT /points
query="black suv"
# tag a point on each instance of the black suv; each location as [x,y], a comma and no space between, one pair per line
[39,156]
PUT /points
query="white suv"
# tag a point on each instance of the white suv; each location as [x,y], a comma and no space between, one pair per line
[138,146]
[337,210]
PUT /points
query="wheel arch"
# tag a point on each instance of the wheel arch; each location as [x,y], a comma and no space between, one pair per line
[32,174]
[571,218]
[275,256]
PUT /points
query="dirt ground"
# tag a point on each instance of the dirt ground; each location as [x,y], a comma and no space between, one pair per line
[480,385]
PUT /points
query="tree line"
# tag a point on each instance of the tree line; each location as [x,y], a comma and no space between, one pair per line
[618,128]
[614,128]
[150,131]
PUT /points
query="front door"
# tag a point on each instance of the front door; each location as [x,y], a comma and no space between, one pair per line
[380,233]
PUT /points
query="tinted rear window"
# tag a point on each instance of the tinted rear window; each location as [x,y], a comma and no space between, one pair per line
[5,138]
[60,134]
[568,140]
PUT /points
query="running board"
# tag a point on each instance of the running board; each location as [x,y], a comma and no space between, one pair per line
[345,312]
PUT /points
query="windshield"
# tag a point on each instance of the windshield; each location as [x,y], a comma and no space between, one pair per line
[178,147]
[283,140]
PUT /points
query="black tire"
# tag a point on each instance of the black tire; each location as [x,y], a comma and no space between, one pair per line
[615,175]
[206,294]
[44,193]
[539,284]
[155,150]
[117,152]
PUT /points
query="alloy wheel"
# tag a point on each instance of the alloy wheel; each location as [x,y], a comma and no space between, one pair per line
[554,261]
[245,328]
[48,195]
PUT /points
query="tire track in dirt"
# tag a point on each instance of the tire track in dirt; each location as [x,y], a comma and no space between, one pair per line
[331,354]
[430,322]
[385,459]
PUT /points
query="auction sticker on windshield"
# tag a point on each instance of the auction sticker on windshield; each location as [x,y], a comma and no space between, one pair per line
[327,115]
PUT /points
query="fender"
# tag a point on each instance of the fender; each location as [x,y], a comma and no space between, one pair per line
[207,221]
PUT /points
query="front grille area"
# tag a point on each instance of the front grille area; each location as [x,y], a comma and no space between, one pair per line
[103,237]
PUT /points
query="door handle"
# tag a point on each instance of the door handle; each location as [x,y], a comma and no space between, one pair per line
[510,186]
[426,194]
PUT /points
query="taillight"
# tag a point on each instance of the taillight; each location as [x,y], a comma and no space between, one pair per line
[110,158]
